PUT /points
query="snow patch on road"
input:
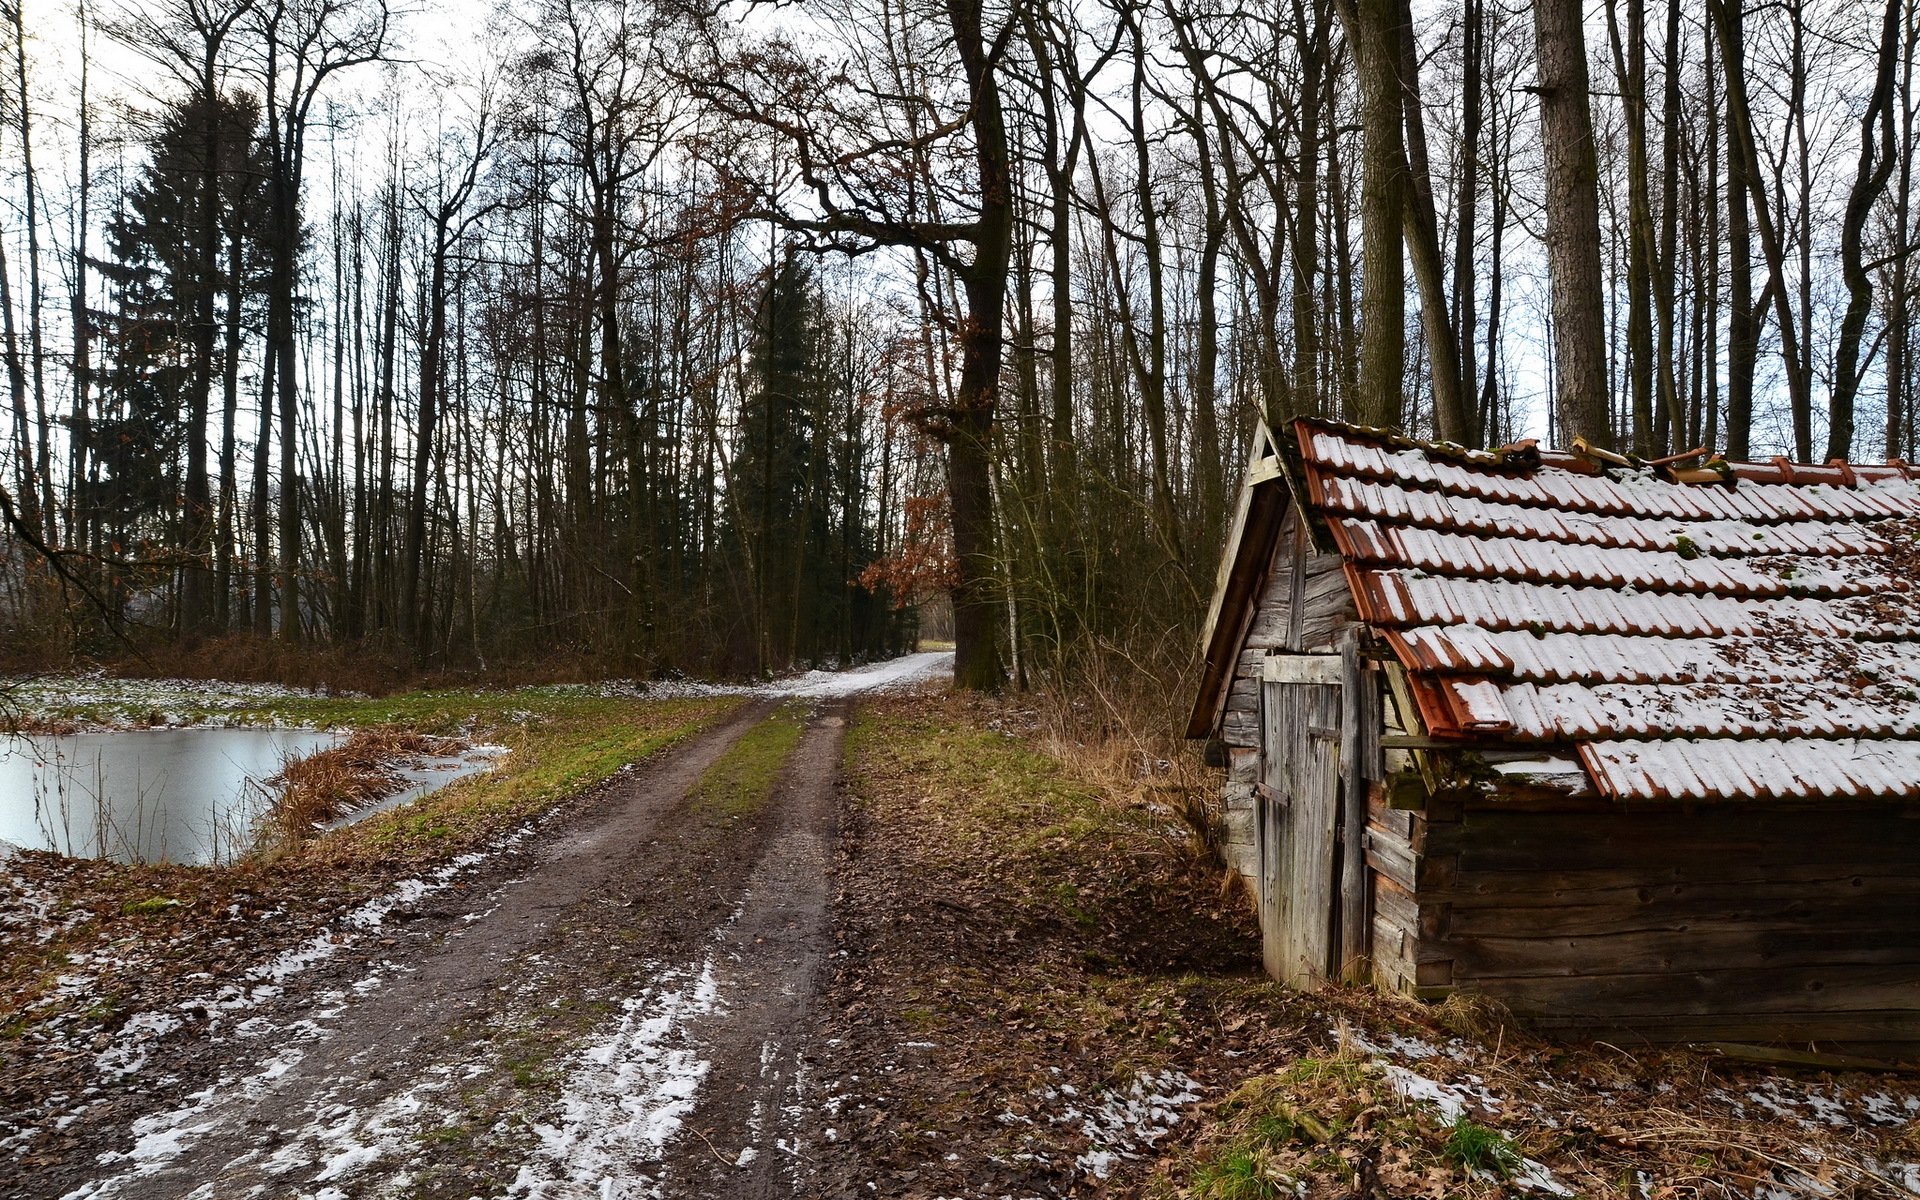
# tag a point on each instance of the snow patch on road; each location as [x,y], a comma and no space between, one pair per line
[626,1096]
[893,674]
[875,677]
[128,1052]
[162,1137]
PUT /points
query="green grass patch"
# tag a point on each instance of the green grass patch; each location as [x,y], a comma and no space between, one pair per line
[1478,1148]
[149,906]
[1237,1174]
[740,780]
[995,791]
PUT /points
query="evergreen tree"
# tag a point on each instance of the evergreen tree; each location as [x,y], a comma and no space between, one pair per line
[798,500]
[164,285]
[773,480]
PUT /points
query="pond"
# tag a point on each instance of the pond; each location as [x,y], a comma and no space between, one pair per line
[188,795]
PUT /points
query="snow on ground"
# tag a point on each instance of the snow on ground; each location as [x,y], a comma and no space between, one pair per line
[1118,1124]
[160,1138]
[894,673]
[261,983]
[1817,1104]
[1454,1101]
[627,1095]
[629,1092]
[116,700]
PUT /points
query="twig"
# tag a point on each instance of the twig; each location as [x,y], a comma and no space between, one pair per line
[720,1158]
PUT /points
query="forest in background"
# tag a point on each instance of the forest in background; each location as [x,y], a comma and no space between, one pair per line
[662,337]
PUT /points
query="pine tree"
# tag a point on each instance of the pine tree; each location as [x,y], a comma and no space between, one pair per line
[773,484]
[164,285]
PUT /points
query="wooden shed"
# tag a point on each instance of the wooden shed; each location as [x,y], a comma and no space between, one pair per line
[1630,747]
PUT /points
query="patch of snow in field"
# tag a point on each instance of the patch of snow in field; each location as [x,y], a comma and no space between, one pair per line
[1454,1102]
[1903,1175]
[1814,1104]
[128,699]
[1120,1125]
[1883,1109]
[626,1096]
[128,1053]
[1536,1177]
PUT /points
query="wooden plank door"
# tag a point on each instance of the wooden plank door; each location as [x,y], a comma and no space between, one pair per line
[1299,815]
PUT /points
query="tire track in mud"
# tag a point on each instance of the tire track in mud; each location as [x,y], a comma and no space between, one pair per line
[305,1116]
[625,1020]
[730,1025]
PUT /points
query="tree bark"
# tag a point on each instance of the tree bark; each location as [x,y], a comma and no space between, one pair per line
[978,664]
[1450,419]
[1878,154]
[1373,30]
[1573,223]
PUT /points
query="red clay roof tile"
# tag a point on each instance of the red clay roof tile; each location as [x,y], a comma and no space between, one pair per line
[1757,638]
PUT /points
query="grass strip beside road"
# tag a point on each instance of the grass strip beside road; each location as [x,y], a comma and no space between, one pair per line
[559,742]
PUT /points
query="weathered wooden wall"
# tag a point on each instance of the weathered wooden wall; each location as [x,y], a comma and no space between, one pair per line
[1724,924]
[1302,606]
[1392,834]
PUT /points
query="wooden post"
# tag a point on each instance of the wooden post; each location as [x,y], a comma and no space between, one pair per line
[1358,733]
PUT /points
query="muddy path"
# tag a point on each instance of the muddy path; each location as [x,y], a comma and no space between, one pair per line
[617,1012]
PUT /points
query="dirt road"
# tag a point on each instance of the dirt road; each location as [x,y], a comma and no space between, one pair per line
[611,1009]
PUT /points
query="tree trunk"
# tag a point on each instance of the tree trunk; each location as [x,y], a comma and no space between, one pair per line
[1740,130]
[1630,73]
[195,598]
[36,337]
[1466,212]
[1743,318]
[1573,223]
[1423,244]
[1878,154]
[1374,33]
[978,665]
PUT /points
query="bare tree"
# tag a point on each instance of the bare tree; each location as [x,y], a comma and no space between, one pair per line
[446,205]
[1879,154]
[1573,222]
[1374,31]
[859,184]
[303,45]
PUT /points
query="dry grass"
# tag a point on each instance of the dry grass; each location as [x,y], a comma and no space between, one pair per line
[1116,718]
[338,780]
[1312,1102]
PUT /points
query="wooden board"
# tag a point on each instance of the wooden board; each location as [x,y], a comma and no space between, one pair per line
[1301,806]
[1717,922]
[1301,668]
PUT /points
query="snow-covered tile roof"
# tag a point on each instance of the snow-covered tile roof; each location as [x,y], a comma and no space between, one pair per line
[1753,638]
